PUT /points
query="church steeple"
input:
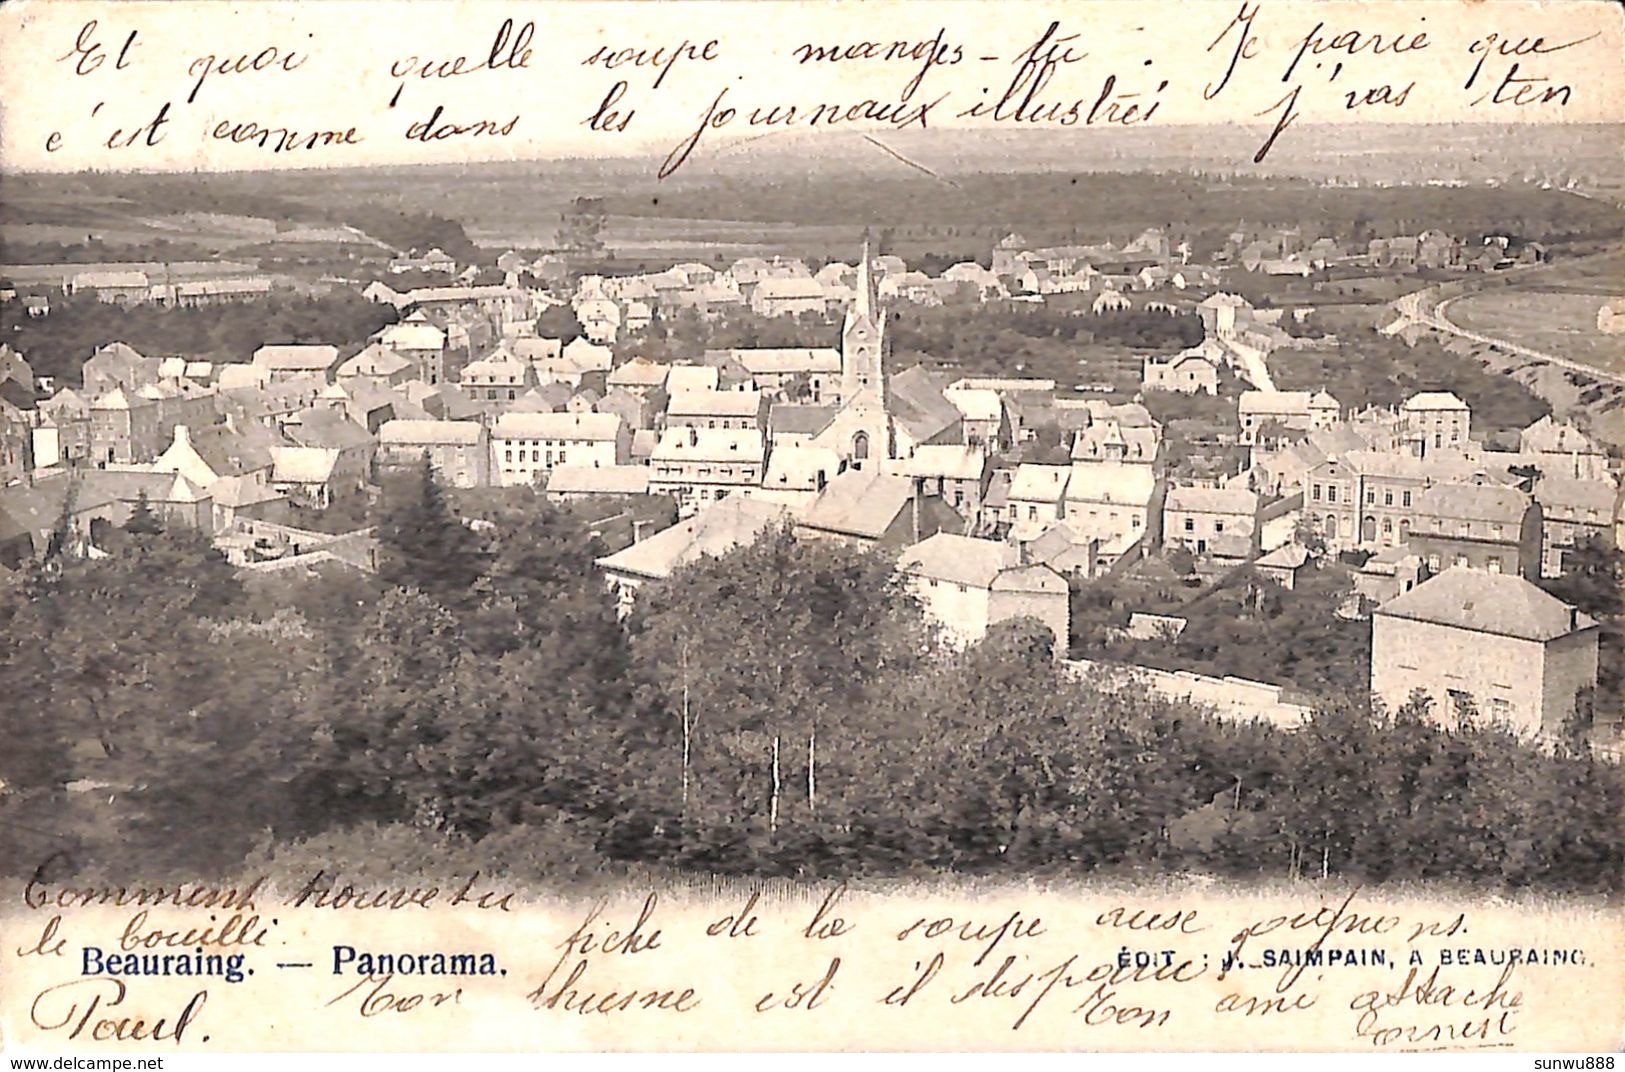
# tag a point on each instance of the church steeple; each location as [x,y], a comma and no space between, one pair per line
[863,335]
[868,299]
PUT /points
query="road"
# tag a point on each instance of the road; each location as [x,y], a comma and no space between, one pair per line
[1416,308]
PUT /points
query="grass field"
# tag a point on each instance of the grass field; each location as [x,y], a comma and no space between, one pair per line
[1562,324]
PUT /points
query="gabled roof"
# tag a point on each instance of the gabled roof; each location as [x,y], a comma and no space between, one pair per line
[859,502]
[789,418]
[800,468]
[595,427]
[1433,400]
[296,357]
[376,360]
[760,361]
[600,480]
[1287,556]
[1111,483]
[947,460]
[714,404]
[304,465]
[1502,604]
[735,522]
[413,433]
[1040,483]
[1550,436]
[1473,502]
[958,559]
[916,400]
[1213,501]
[638,372]
[327,428]
[691,378]
[709,444]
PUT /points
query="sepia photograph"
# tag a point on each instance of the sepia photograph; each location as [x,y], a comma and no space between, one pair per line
[826,510]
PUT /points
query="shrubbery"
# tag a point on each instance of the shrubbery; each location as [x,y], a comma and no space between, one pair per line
[783,710]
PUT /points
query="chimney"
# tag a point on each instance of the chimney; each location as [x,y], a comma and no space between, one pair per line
[914,500]
[637,529]
[183,435]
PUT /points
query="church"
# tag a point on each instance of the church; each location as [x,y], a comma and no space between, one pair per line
[861,432]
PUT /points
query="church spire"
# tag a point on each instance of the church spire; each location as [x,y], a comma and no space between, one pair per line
[867,297]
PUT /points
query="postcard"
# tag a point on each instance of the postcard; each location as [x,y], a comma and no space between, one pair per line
[811,526]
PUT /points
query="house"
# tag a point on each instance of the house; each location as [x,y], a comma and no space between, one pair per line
[981,413]
[1217,522]
[816,371]
[1066,550]
[568,365]
[692,378]
[638,411]
[794,424]
[797,475]
[1036,498]
[284,361]
[922,414]
[967,585]
[869,508]
[958,475]
[123,288]
[524,446]
[125,428]
[1367,498]
[423,344]
[700,466]
[1108,441]
[788,297]
[1121,503]
[314,476]
[737,410]
[1189,372]
[1559,449]
[1480,526]
[726,526]
[1491,643]
[459,452]
[638,376]
[117,365]
[1443,421]
[500,376]
[376,364]
[571,483]
[1389,574]
[1573,512]
[1284,565]
[1302,410]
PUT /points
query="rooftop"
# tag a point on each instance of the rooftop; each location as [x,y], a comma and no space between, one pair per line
[1501,604]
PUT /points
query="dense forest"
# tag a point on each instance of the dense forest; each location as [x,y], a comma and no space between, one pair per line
[782,710]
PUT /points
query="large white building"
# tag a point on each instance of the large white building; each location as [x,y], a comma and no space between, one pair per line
[525,446]
[1493,640]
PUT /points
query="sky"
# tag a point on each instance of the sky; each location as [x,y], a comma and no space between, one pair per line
[360,82]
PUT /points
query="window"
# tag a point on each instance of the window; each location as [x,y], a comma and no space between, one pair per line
[1316,495]
[1433,563]
[1371,496]
[1032,513]
[1495,565]
[1331,492]
[1388,497]
[561,457]
[507,455]
[1218,526]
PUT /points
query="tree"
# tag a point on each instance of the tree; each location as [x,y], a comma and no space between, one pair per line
[142,522]
[559,322]
[770,650]
[423,544]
